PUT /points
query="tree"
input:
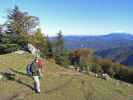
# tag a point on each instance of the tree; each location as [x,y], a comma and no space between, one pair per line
[59,51]
[59,43]
[49,48]
[82,57]
[1,28]
[38,40]
[20,24]
[6,44]
[107,66]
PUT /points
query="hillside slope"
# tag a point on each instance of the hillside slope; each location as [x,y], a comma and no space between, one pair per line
[58,83]
[121,55]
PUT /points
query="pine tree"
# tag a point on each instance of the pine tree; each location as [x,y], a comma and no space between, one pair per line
[49,48]
[59,44]
[6,43]
[59,51]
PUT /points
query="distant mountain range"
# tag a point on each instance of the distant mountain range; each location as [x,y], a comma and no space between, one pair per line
[99,43]
[115,46]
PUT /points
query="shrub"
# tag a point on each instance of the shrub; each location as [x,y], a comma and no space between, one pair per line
[62,60]
[96,68]
[82,64]
[106,66]
[7,48]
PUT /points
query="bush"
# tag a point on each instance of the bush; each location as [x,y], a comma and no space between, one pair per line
[96,68]
[81,58]
[82,64]
[7,48]
[116,69]
[61,60]
[107,66]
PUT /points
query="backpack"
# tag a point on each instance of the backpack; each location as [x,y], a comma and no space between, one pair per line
[29,69]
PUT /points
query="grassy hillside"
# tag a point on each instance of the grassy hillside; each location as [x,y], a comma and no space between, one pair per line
[58,83]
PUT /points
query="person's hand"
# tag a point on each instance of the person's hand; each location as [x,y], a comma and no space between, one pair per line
[41,76]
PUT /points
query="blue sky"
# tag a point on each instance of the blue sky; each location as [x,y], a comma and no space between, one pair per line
[77,17]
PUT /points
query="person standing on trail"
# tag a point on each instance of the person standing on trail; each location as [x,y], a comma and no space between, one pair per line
[36,75]
[35,68]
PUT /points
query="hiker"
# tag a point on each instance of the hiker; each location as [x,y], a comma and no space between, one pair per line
[36,75]
[34,69]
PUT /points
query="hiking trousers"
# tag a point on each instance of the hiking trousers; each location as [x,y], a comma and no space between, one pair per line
[36,83]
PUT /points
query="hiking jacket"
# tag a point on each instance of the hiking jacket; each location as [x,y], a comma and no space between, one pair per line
[35,69]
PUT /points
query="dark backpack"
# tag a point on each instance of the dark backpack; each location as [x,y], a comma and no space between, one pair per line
[29,69]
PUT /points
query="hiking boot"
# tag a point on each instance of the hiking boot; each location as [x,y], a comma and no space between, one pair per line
[37,91]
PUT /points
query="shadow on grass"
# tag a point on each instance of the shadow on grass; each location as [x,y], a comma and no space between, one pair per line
[18,72]
[12,77]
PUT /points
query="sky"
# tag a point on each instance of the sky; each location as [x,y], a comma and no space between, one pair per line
[76,17]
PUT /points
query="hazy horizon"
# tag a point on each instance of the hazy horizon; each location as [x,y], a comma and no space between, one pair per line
[76,17]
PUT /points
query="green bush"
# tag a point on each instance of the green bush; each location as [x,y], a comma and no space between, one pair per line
[96,68]
[82,63]
[7,48]
[107,66]
[61,60]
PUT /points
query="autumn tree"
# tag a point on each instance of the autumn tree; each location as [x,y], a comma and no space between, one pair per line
[20,24]
[38,40]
